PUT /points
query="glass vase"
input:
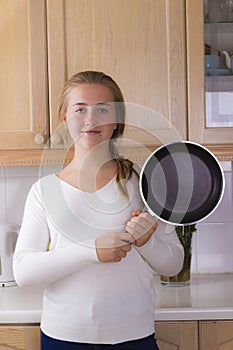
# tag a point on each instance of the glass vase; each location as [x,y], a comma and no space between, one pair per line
[183,277]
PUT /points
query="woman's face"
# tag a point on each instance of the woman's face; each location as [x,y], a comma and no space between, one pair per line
[90,116]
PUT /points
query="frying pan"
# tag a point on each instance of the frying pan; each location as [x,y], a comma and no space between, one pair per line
[181,183]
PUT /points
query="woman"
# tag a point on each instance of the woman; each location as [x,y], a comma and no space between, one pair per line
[98,270]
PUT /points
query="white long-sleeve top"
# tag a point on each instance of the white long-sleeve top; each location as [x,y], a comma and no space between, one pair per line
[86,300]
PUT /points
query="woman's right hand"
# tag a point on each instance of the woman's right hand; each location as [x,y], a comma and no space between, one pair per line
[113,247]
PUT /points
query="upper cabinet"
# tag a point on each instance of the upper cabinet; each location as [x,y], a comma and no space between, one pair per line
[209,75]
[155,50]
[141,44]
[23,71]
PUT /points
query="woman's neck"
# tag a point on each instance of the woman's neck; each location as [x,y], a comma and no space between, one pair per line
[93,159]
[90,171]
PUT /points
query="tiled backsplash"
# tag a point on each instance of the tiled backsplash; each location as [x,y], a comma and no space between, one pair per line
[212,243]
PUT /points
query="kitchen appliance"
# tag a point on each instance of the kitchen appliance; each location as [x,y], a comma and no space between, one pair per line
[8,238]
[229,60]
[182,183]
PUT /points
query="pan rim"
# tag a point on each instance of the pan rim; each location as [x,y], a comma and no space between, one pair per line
[189,218]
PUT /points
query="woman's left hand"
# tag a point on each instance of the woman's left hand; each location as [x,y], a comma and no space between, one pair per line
[141,226]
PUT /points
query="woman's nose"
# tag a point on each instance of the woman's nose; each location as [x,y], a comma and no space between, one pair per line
[90,117]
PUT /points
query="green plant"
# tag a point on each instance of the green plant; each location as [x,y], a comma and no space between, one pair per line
[184,234]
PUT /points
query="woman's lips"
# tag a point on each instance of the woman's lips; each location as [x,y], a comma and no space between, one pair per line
[91,132]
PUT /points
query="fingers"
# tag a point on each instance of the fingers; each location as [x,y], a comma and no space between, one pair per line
[136,212]
[126,248]
[126,237]
[140,224]
[122,254]
[113,247]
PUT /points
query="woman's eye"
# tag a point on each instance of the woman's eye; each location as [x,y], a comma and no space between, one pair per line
[80,110]
[102,110]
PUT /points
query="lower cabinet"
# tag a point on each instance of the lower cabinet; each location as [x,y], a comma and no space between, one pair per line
[194,335]
[20,337]
[181,335]
[216,335]
[177,335]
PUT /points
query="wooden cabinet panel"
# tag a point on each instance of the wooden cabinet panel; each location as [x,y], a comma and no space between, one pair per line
[20,338]
[145,53]
[216,335]
[23,86]
[177,335]
[194,335]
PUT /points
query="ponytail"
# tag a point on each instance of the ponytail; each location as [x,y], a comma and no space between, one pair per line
[124,172]
[125,168]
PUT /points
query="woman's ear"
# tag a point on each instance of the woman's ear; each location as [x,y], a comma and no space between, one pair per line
[64,120]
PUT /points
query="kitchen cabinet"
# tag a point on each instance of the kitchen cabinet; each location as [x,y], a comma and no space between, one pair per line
[177,335]
[20,337]
[23,71]
[194,335]
[217,335]
[144,54]
[157,59]
[218,138]
[24,109]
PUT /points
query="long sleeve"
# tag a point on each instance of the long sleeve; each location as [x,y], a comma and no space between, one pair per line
[33,263]
[34,267]
[163,251]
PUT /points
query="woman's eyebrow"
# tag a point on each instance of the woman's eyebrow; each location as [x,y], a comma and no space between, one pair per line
[104,104]
[97,104]
[79,104]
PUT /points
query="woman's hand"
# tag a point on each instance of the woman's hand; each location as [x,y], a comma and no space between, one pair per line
[113,247]
[141,226]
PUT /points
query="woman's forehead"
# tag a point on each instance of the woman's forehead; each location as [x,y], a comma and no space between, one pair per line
[90,94]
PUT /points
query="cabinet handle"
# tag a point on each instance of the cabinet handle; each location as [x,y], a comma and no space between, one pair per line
[55,139]
[39,139]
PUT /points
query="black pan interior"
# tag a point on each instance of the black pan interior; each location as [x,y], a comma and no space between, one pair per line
[182,183]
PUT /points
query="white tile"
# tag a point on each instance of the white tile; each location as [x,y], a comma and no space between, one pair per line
[16,193]
[47,170]
[2,172]
[226,166]
[194,267]
[214,248]
[3,216]
[22,171]
[224,211]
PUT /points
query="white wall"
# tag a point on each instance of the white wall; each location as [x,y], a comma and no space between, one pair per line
[212,243]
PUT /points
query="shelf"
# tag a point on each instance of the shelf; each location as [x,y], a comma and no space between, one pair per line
[218,83]
[218,73]
[219,27]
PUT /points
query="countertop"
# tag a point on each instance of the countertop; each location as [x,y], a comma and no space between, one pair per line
[207,297]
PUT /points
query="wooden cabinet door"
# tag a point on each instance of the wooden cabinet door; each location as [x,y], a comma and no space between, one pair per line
[140,43]
[23,84]
[216,335]
[177,335]
[20,338]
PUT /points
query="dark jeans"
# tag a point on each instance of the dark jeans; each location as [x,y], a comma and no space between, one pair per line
[148,343]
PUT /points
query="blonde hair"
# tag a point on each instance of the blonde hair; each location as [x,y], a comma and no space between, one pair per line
[124,166]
